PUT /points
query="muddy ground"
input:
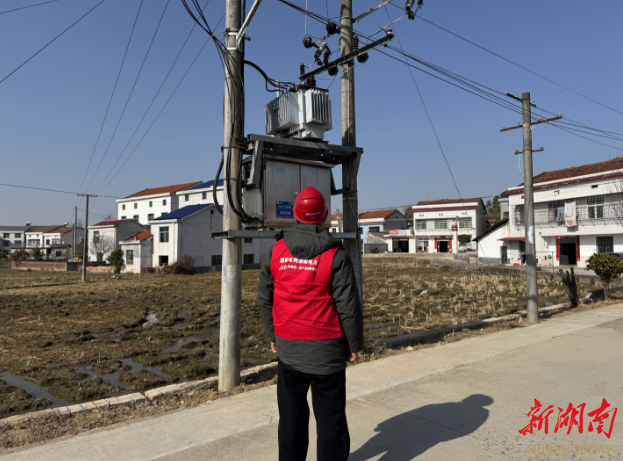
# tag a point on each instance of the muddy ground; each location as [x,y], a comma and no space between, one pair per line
[65,342]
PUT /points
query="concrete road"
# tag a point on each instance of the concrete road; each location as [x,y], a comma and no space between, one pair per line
[465,400]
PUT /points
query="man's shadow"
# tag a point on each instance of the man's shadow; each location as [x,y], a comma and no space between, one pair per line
[408,435]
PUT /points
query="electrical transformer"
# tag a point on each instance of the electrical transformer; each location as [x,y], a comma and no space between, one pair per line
[304,114]
[293,156]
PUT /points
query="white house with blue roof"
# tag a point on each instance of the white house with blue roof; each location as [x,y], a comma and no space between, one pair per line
[200,194]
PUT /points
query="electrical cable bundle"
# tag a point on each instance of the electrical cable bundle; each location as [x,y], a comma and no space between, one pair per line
[229,66]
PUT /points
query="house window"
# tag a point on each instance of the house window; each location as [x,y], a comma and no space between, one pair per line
[6,236]
[248,259]
[595,186]
[217,260]
[18,243]
[163,260]
[519,215]
[465,223]
[123,217]
[18,236]
[123,207]
[522,246]
[129,257]
[135,206]
[441,223]
[164,202]
[151,204]
[150,217]
[47,241]
[162,214]
[56,241]
[135,217]
[596,207]
[204,195]
[247,240]
[59,254]
[96,236]
[100,257]
[420,224]
[374,229]
[605,245]
[164,234]
[186,197]
[211,211]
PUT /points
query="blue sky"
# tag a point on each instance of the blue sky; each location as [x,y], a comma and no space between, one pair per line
[52,108]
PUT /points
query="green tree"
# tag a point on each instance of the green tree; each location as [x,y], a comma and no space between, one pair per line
[607,268]
[116,259]
[19,255]
[465,239]
[408,212]
[36,254]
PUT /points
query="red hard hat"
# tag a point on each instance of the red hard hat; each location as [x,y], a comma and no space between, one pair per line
[310,206]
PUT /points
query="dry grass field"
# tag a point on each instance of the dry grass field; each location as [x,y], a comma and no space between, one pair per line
[64,341]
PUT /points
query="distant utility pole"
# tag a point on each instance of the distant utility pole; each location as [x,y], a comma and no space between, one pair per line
[350,168]
[455,236]
[530,242]
[85,250]
[231,284]
[75,229]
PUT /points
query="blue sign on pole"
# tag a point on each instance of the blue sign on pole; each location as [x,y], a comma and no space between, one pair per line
[285,210]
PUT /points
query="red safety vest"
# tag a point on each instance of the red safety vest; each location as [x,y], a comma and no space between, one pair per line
[303,307]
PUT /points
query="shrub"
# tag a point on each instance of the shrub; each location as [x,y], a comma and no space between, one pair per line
[3,256]
[184,266]
[607,268]
[465,239]
[19,255]
[116,259]
[36,254]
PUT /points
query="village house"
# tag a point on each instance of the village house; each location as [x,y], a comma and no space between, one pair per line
[149,204]
[200,194]
[104,237]
[434,221]
[12,237]
[137,252]
[377,221]
[577,213]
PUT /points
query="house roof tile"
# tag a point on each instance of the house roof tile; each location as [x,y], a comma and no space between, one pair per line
[43,229]
[15,228]
[447,201]
[163,190]
[377,214]
[140,235]
[582,170]
[206,185]
[111,222]
[183,212]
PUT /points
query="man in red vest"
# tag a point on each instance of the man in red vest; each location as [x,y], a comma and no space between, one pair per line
[311,311]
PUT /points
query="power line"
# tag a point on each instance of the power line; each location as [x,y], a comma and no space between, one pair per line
[49,190]
[29,6]
[131,93]
[151,103]
[519,65]
[159,113]
[111,96]
[427,114]
[50,42]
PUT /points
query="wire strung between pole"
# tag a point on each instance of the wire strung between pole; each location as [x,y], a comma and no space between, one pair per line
[50,190]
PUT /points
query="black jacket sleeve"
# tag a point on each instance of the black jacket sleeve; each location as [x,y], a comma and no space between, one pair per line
[347,302]
[265,291]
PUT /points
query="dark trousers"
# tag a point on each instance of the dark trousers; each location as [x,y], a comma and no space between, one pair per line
[329,401]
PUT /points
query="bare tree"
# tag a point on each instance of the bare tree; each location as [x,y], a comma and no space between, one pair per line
[614,209]
[101,245]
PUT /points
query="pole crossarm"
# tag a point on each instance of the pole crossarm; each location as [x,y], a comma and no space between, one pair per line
[348,57]
[518,152]
[543,120]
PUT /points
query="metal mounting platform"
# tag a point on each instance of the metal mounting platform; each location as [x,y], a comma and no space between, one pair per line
[269,234]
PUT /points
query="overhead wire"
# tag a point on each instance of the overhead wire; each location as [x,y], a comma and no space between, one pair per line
[48,190]
[131,93]
[150,105]
[158,116]
[125,54]
[50,42]
[29,6]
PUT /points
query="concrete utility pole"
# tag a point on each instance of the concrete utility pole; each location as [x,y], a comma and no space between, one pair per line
[85,249]
[231,287]
[530,242]
[531,282]
[350,168]
[455,237]
[75,230]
